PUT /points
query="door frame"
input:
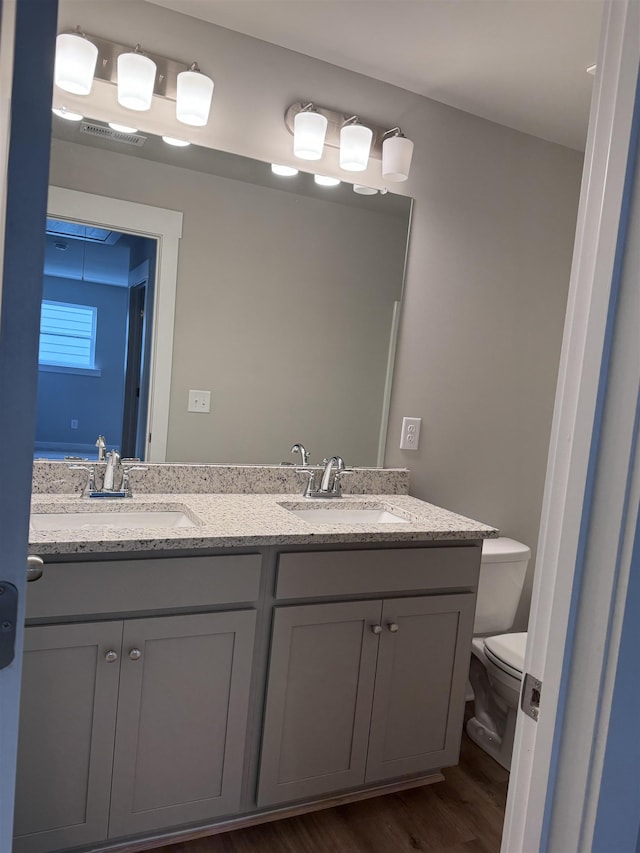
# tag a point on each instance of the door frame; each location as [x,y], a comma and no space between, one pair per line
[134,364]
[165,226]
[591,487]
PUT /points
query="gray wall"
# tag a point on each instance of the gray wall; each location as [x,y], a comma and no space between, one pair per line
[489,257]
[283,310]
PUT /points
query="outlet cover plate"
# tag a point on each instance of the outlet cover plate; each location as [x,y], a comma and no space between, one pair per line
[199,401]
[410,437]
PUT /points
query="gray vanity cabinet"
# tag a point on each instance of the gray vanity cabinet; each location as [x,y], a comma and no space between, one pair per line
[321,679]
[363,691]
[182,713]
[421,677]
[67,729]
[132,725]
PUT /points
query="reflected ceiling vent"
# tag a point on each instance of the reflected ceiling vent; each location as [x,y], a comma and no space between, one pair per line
[103,132]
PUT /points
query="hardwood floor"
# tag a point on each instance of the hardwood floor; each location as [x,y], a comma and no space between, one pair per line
[463,814]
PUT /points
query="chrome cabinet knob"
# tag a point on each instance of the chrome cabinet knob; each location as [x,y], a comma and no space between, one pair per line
[392,627]
[135,654]
[111,656]
[377,629]
[34,568]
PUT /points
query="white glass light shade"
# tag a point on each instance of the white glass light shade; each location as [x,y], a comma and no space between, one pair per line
[136,76]
[396,158]
[177,143]
[193,98]
[63,112]
[326,181]
[363,190]
[355,144]
[75,64]
[309,131]
[283,171]
[122,128]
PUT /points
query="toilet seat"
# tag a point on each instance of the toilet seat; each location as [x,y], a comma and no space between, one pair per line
[506,651]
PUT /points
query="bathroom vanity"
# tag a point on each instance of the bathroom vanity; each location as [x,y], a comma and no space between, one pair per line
[179,681]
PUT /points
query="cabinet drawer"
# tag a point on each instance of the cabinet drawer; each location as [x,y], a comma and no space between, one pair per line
[315,574]
[122,586]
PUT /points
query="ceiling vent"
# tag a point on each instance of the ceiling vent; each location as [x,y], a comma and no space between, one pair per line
[103,132]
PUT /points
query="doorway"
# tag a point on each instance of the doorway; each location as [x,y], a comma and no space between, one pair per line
[95,340]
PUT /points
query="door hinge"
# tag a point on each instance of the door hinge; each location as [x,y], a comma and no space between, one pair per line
[530,699]
[8,618]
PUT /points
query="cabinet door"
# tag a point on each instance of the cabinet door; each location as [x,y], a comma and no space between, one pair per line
[67,725]
[182,713]
[320,688]
[418,704]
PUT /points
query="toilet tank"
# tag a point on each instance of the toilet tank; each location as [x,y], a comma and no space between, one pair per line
[502,572]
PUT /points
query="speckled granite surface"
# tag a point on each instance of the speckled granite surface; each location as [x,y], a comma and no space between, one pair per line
[241,520]
[169,478]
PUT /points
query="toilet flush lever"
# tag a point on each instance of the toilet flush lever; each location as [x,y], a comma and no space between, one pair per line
[530,699]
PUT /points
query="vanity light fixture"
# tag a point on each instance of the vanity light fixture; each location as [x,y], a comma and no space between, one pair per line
[75,63]
[283,171]
[359,143]
[177,143]
[309,131]
[326,181]
[397,152]
[136,78]
[193,98]
[122,128]
[355,145]
[63,112]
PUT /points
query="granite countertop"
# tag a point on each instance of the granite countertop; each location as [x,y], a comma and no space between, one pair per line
[244,520]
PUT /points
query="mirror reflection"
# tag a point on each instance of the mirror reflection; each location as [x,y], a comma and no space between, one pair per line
[287,302]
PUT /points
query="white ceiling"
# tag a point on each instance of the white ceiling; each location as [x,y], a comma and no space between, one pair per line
[521,63]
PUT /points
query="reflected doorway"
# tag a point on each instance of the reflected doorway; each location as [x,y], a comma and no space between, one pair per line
[95,341]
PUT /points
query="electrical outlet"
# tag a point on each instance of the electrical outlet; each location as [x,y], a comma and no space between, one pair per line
[74,423]
[199,401]
[410,438]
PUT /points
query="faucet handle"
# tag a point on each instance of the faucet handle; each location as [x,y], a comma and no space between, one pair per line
[91,477]
[125,487]
[337,482]
[311,482]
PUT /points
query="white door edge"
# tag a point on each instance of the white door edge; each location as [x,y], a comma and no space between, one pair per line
[166,226]
[537,760]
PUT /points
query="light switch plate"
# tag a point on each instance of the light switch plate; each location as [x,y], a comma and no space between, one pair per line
[410,438]
[199,401]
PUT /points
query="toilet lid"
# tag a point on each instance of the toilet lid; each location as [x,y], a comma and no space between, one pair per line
[507,651]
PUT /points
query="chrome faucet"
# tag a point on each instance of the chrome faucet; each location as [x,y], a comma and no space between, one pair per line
[113,464]
[108,489]
[101,444]
[331,483]
[304,453]
[331,476]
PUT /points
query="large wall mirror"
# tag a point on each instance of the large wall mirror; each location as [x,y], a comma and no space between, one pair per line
[286,303]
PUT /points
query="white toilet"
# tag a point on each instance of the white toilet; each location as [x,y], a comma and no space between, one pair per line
[497,657]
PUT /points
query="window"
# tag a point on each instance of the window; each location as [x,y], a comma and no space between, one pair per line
[67,337]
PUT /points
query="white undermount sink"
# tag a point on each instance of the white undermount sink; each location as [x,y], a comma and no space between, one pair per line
[126,520]
[347,515]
